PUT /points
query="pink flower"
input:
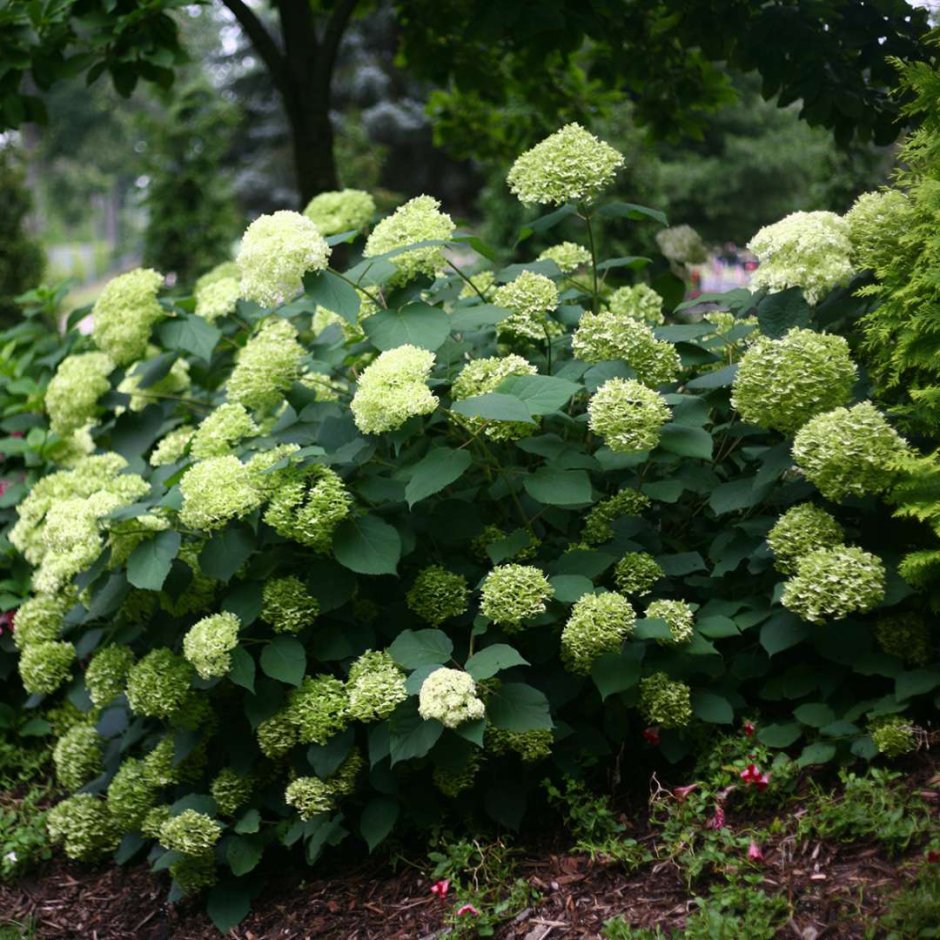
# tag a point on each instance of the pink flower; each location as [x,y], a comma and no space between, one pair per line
[754,852]
[718,820]
[467,909]
[682,793]
[748,729]
[4,484]
[440,888]
[751,774]
[651,735]
[6,621]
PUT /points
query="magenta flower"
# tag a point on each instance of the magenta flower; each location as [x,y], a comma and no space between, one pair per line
[467,909]
[440,888]
[682,793]
[748,727]
[752,775]
[6,621]
[717,821]
[754,852]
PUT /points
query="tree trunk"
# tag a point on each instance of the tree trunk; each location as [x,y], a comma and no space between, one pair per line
[312,146]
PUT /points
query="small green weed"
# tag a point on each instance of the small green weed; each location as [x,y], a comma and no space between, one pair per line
[619,929]
[17,930]
[914,913]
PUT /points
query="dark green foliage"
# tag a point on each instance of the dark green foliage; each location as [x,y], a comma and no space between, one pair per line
[21,257]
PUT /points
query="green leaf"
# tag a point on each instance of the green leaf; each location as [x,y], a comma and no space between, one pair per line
[330,291]
[242,669]
[493,659]
[782,631]
[733,496]
[150,371]
[542,394]
[226,552]
[630,210]
[228,905]
[377,820]
[615,672]
[494,407]
[559,487]
[475,318]
[652,628]
[918,682]
[190,333]
[777,313]
[720,378]
[819,753]
[418,324]
[516,706]
[243,853]
[779,735]
[409,735]
[717,627]
[414,648]
[150,562]
[814,714]
[437,469]
[250,821]
[686,442]
[629,261]
[715,709]
[284,659]
[571,587]
[367,545]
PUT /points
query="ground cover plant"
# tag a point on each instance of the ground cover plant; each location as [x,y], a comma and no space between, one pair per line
[330,554]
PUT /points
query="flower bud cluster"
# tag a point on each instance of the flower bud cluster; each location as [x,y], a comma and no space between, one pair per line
[598,624]
[512,594]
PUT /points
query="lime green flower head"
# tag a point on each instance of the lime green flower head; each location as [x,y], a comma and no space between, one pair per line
[877,222]
[215,491]
[782,383]
[266,476]
[809,250]
[209,642]
[893,736]
[308,506]
[277,250]
[218,433]
[679,618]
[480,283]
[569,256]
[157,685]
[571,165]
[276,735]
[287,605]
[418,220]
[531,746]
[849,451]
[452,781]
[267,365]
[39,619]
[192,874]
[598,524]
[450,697]
[393,389]
[628,415]
[529,298]
[481,376]
[438,594]
[172,447]
[800,530]
[190,833]
[831,583]
[376,686]
[45,666]
[681,244]
[345,210]
[639,302]
[318,709]
[125,313]
[221,272]
[175,382]
[344,780]
[605,335]
[512,594]
[310,796]
[130,795]
[637,572]
[84,826]
[665,702]
[906,636]
[231,790]
[77,756]
[73,392]
[218,299]
[598,624]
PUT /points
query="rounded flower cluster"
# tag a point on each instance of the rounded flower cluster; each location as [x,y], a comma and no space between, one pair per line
[605,335]
[831,583]
[569,256]
[450,697]
[175,382]
[571,165]
[74,390]
[637,572]
[77,756]
[45,666]
[375,686]
[809,250]
[482,376]
[514,593]
[192,874]
[345,210]
[877,222]
[84,826]
[438,594]
[480,283]
[800,530]
[848,451]
[158,766]
[531,746]
[639,302]
[906,636]
[287,605]
[215,491]
[310,796]
[125,313]
[598,524]
[276,735]
[782,383]
[598,624]
[318,709]
[157,685]
[681,244]
[418,220]
[308,506]
[529,299]
[893,736]
[172,447]
[39,619]
[209,641]
[218,298]
[393,389]
[267,365]
[628,415]
[679,618]
[230,790]
[221,430]
[277,250]
[131,795]
[665,702]
[452,781]
[190,833]
[269,469]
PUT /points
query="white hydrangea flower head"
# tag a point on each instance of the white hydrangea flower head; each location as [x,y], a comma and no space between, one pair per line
[849,451]
[40,618]
[310,796]
[512,594]
[481,376]
[639,302]
[74,390]
[665,702]
[569,256]
[344,210]
[267,365]
[529,298]
[831,583]
[598,624]
[606,336]
[318,709]
[215,491]
[376,686]
[125,313]
[877,221]
[450,697]
[418,220]
[218,298]
[190,833]
[679,618]
[782,383]
[209,641]
[277,250]
[219,431]
[221,272]
[628,415]
[571,165]
[393,389]
[172,447]
[681,244]
[307,506]
[799,531]
[809,250]
[480,283]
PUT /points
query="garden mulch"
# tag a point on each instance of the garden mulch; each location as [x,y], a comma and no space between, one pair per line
[835,891]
